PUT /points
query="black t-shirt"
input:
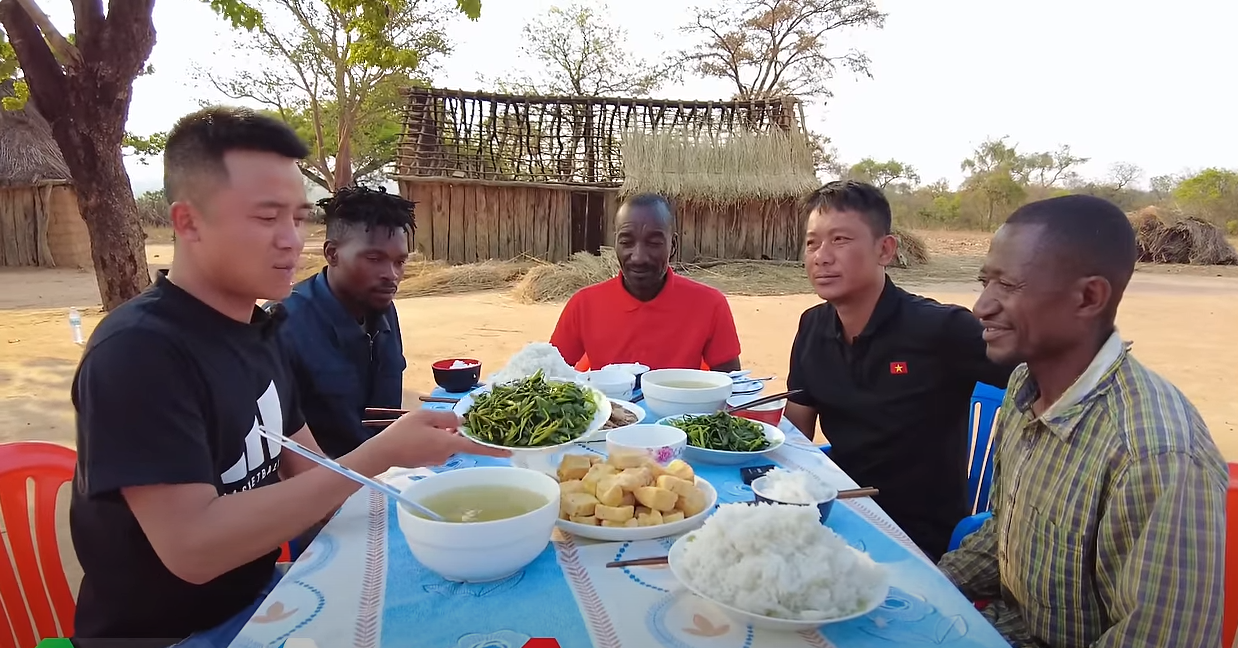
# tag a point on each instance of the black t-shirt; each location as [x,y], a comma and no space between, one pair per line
[170,391]
[894,404]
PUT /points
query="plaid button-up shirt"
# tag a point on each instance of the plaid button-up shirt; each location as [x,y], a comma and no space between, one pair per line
[1108,525]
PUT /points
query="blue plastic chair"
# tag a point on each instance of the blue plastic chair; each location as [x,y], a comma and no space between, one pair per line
[986,401]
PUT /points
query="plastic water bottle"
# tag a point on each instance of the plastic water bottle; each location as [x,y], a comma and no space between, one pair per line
[75,323]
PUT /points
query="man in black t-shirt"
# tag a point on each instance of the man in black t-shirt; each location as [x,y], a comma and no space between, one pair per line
[179,502]
[889,374]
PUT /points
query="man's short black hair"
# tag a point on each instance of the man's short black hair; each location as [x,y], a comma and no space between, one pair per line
[352,208]
[656,203]
[852,196]
[1087,235]
[198,142]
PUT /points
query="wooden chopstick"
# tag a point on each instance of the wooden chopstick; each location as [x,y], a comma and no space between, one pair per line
[639,562]
[852,493]
[385,410]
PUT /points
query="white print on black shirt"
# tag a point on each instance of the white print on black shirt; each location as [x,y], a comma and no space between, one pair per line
[250,469]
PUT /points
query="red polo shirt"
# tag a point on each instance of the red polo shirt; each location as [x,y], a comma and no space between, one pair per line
[686,324]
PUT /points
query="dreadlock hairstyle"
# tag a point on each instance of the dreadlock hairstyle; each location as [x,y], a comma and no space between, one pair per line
[352,207]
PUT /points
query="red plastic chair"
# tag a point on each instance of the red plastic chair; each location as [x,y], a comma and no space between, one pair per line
[1230,620]
[36,598]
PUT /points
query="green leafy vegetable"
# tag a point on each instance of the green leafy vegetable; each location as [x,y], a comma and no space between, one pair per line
[722,431]
[531,413]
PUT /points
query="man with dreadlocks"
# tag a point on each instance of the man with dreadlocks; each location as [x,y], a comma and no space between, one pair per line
[342,330]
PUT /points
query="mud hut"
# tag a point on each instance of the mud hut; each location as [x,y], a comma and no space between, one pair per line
[40,223]
[502,176]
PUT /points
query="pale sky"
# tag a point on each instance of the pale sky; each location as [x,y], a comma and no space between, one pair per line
[1119,80]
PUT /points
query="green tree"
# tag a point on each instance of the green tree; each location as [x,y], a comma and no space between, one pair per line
[83,87]
[1211,194]
[883,174]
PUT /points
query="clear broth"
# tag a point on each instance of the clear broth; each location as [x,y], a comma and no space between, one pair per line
[482,503]
[687,384]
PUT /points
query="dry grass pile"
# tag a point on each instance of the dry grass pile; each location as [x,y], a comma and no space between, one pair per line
[912,250]
[720,168]
[1168,239]
[439,278]
[550,282]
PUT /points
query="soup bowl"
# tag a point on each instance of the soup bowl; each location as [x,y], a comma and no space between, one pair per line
[615,383]
[478,552]
[661,443]
[674,392]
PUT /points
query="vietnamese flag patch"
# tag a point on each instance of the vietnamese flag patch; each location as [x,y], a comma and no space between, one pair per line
[898,368]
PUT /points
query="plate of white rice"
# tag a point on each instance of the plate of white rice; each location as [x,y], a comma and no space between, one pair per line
[777,567]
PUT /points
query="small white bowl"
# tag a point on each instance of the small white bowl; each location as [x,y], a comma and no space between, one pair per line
[661,443]
[615,383]
[667,400]
[479,552]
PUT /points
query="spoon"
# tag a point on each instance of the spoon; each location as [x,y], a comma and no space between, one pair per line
[349,473]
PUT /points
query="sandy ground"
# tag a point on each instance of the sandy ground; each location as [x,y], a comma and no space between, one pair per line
[1176,316]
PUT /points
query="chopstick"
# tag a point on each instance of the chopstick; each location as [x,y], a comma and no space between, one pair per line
[853,493]
[639,562]
[763,400]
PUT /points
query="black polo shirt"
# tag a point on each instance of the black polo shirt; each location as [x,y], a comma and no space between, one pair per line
[894,403]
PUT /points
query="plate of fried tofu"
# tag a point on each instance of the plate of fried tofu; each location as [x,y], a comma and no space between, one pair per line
[628,498]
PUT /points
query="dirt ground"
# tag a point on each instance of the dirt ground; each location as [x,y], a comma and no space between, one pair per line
[1177,317]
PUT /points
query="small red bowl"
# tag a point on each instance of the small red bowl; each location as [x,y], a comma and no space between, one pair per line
[457,380]
[770,413]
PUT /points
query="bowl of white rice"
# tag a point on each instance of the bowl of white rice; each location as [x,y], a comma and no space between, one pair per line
[778,568]
[794,487]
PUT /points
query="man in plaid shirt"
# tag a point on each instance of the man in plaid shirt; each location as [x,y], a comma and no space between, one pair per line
[1108,525]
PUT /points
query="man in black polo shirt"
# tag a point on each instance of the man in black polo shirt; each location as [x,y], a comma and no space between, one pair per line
[180,503]
[343,332]
[888,374]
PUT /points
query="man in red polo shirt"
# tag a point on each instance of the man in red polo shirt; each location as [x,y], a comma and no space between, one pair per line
[648,314]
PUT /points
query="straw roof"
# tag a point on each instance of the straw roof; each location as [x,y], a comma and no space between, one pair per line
[736,166]
[28,154]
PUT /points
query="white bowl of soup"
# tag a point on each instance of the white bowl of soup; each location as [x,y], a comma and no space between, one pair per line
[498,520]
[675,392]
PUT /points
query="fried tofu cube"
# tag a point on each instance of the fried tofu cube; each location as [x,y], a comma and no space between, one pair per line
[626,460]
[672,516]
[634,478]
[609,492]
[614,513]
[630,522]
[571,486]
[659,499]
[563,514]
[596,459]
[595,474]
[573,466]
[578,504]
[587,520]
[649,517]
[628,499]
[676,485]
[682,470]
[692,503]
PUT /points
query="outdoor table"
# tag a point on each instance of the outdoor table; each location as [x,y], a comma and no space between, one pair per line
[358,585]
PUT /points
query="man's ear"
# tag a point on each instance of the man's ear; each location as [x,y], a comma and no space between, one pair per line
[1093,295]
[888,250]
[331,251]
[674,245]
[186,221]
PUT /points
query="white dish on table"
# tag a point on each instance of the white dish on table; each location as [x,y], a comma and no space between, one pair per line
[748,387]
[478,552]
[661,444]
[538,458]
[876,598]
[666,398]
[632,534]
[632,408]
[773,435]
[615,383]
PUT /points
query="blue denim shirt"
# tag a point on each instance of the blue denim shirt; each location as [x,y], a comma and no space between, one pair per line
[340,368]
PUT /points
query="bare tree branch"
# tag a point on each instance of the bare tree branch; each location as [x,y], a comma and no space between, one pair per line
[64,51]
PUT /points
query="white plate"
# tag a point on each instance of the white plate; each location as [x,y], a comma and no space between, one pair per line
[747,387]
[876,598]
[632,534]
[725,457]
[636,410]
[599,419]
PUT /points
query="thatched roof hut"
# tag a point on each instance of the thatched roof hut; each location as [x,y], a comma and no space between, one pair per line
[1165,237]
[40,224]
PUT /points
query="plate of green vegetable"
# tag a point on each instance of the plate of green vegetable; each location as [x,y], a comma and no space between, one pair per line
[722,438]
[533,414]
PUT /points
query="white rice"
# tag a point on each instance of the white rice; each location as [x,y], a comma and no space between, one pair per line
[460,364]
[534,356]
[778,561]
[794,487]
